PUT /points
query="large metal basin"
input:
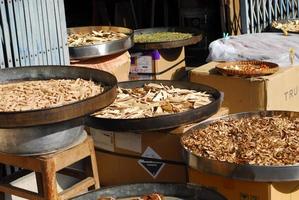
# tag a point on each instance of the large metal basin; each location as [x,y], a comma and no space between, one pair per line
[39,140]
[47,130]
[247,172]
[171,191]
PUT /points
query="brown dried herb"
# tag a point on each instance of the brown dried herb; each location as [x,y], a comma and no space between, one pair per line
[257,140]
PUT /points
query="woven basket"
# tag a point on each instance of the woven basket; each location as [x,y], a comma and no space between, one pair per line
[272,68]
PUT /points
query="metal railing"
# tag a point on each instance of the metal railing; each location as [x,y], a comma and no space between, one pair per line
[256,15]
[33,32]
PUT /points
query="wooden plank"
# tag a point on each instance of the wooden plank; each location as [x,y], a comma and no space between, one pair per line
[13,33]
[49,179]
[46,32]
[64,32]
[20,161]
[77,188]
[42,44]
[59,35]
[68,157]
[6,35]
[52,32]
[19,192]
[94,166]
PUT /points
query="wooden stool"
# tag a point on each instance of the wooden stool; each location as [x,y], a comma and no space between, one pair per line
[46,167]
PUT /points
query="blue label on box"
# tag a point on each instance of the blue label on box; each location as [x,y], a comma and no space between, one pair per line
[155,55]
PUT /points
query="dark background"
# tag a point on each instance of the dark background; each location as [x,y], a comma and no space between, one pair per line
[201,14]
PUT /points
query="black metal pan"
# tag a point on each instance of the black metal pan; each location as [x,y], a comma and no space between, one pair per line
[61,113]
[196,37]
[160,122]
[170,192]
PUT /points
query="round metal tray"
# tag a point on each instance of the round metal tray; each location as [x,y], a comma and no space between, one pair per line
[170,192]
[197,37]
[97,50]
[160,122]
[246,172]
[273,67]
[61,113]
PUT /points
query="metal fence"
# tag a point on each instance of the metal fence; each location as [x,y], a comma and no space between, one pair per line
[33,32]
[256,15]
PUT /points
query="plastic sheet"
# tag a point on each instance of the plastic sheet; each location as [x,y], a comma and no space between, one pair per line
[272,47]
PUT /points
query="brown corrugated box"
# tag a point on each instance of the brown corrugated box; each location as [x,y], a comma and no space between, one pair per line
[279,91]
[169,65]
[246,190]
[116,64]
[122,156]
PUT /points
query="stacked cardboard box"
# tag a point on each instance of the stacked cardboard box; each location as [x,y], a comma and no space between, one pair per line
[141,157]
[279,91]
[116,64]
[163,64]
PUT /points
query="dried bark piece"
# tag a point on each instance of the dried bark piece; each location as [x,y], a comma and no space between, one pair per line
[154,100]
[41,94]
[257,140]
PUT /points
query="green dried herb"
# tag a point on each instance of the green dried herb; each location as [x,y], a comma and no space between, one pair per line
[161,37]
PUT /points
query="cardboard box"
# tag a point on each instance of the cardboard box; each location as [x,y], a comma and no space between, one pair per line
[145,157]
[279,91]
[163,64]
[246,190]
[122,169]
[116,64]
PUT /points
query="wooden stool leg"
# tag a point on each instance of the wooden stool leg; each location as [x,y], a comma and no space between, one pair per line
[49,180]
[93,169]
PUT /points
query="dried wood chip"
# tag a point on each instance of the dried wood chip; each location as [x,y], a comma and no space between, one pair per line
[32,95]
[153,100]
[95,37]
